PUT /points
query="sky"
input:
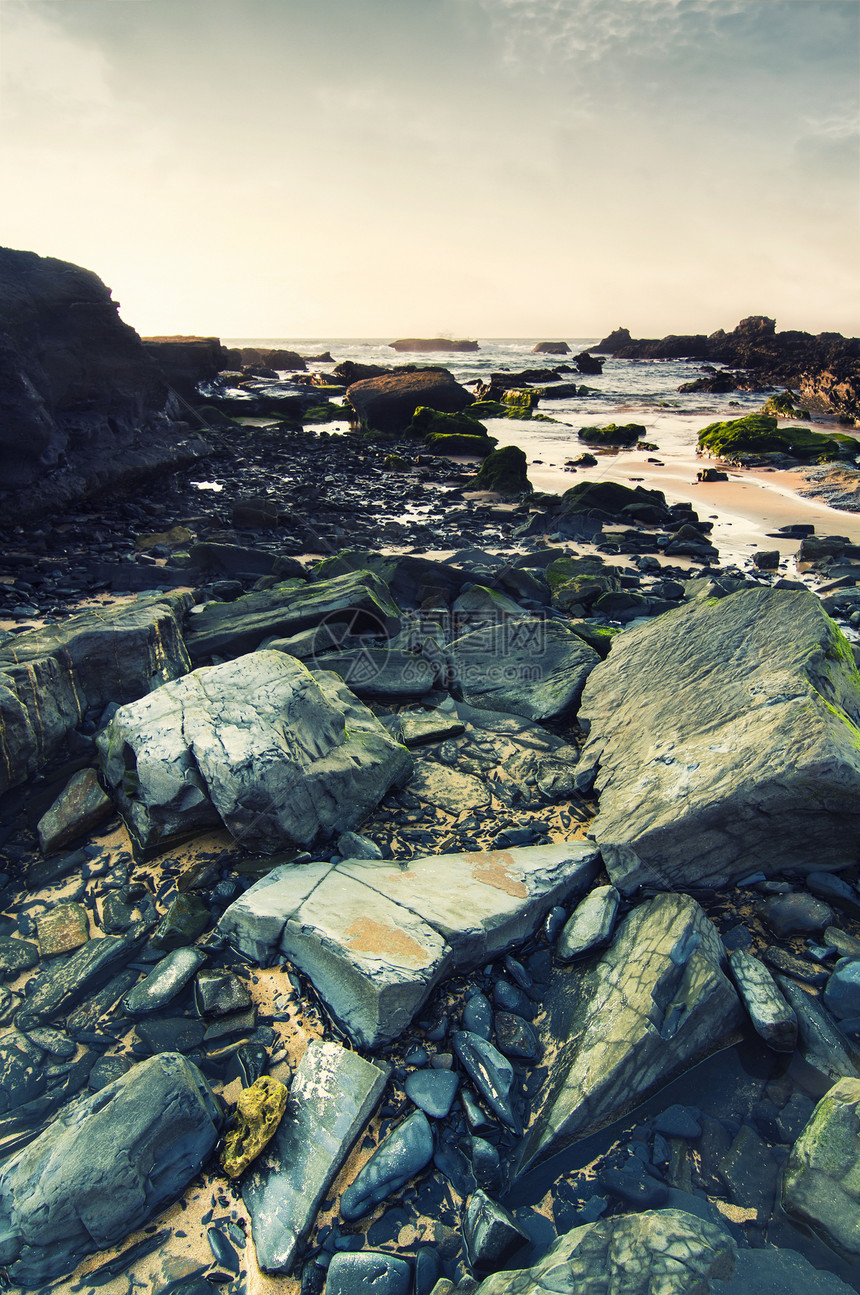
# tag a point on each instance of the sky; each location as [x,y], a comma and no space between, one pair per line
[475,168]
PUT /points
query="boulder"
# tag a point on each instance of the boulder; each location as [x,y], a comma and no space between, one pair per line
[50,677]
[331,1098]
[388,403]
[504,471]
[83,407]
[531,667]
[762,434]
[657,1002]
[103,1167]
[186,361]
[666,1251]
[375,938]
[354,602]
[613,434]
[277,754]
[822,1178]
[722,738]
[80,807]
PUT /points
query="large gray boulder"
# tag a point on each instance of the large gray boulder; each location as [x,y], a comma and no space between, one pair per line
[657,1002]
[822,1179]
[351,603]
[50,677]
[331,1098]
[375,937]
[531,667]
[724,737]
[660,1252]
[387,403]
[103,1167]
[277,754]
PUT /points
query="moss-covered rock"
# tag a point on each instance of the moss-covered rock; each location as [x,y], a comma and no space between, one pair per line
[504,471]
[615,501]
[577,582]
[396,463]
[596,636]
[431,422]
[521,397]
[761,434]
[479,446]
[783,406]
[613,434]
[258,1114]
[495,409]
[325,413]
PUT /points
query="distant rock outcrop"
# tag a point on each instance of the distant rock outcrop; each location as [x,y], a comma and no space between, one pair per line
[433,344]
[83,406]
[551,348]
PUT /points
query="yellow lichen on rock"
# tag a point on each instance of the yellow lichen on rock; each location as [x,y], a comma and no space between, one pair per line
[258,1114]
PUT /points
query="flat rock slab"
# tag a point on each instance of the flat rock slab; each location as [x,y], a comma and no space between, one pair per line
[531,667]
[356,601]
[772,1017]
[50,677]
[375,938]
[331,1098]
[657,1002]
[277,754]
[724,738]
[103,1167]
[447,789]
[62,929]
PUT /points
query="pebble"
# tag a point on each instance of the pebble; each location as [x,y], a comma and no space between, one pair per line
[492,1074]
[842,992]
[478,1016]
[432,1091]
[516,1037]
[591,924]
[795,914]
[164,982]
[490,1232]
[400,1156]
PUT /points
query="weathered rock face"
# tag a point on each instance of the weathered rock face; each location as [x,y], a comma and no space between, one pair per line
[81,402]
[279,755]
[656,1003]
[388,403]
[185,361]
[668,1251]
[723,737]
[103,1167]
[531,667]
[358,600]
[50,677]
[821,1179]
[375,938]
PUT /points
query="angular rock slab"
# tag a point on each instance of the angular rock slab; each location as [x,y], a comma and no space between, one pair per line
[104,1167]
[724,738]
[772,1017]
[665,1251]
[276,753]
[374,938]
[80,807]
[822,1179]
[49,677]
[657,1002]
[332,1096]
[531,667]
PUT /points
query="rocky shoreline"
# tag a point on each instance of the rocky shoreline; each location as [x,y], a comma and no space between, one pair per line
[416,889]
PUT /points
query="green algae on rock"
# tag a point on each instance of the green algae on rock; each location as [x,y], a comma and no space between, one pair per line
[258,1114]
[457,443]
[821,1180]
[613,434]
[433,422]
[761,434]
[783,406]
[504,471]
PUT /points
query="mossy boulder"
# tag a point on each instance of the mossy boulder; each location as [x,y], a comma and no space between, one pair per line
[504,471]
[611,500]
[577,582]
[258,1114]
[613,434]
[478,446]
[761,434]
[521,397]
[396,463]
[432,422]
[783,406]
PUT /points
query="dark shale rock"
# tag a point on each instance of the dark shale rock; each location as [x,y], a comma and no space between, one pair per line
[387,403]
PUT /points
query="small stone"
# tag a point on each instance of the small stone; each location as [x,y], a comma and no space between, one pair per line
[591,924]
[795,914]
[478,1016]
[847,946]
[116,914]
[634,1185]
[53,1042]
[516,1037]
[490,1232]
[428,1269]
[679,1122]
[788,963]
[216,993]
[486,1163]
[62,929]
[835,890]
[510,998]
[492,1074]
[352,845]
[368,1270]
[164,982]
[400,1156]
[80,807]
[258,1114]
[432,1091]
[186,918]
[16,956]
[104,1072]
[170,1034]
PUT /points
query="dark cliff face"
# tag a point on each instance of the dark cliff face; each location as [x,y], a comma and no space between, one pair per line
[75,381]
